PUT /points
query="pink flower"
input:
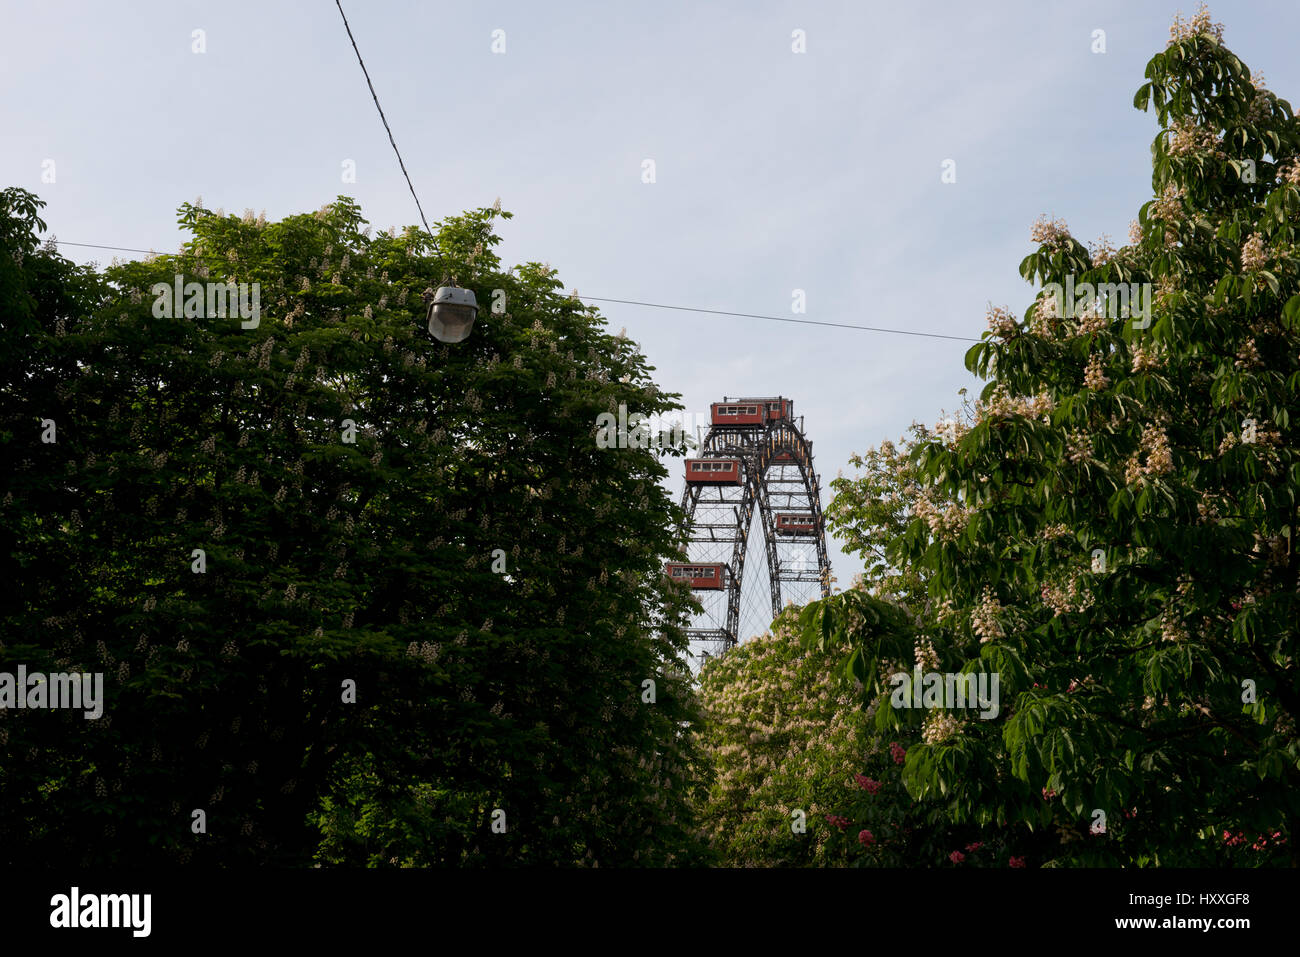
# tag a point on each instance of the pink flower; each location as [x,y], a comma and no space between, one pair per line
[897,752]
[956,857]
[972,848]
[1048,795]
[1261,843]
[1234,839]
[840,822]
[870,785]
[1016,862]
[866,838]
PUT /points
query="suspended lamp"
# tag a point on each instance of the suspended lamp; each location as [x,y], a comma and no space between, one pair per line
[452,312]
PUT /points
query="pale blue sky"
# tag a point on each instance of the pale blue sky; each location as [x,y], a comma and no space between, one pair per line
[775,170]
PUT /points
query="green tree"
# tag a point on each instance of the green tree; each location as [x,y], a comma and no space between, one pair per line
[1118,543]
[781,744]
[244,523]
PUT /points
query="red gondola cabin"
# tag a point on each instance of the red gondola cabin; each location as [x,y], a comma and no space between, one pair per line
[751,411]
[700,576]
[795,524]
[713,471]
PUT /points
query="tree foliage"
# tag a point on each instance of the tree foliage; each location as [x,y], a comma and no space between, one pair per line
[1113,534]
[781,743]
[209,532]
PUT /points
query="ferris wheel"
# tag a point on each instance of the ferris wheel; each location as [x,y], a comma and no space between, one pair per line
[754,460]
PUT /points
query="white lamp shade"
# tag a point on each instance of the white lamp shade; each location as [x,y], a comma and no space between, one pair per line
[452,313]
